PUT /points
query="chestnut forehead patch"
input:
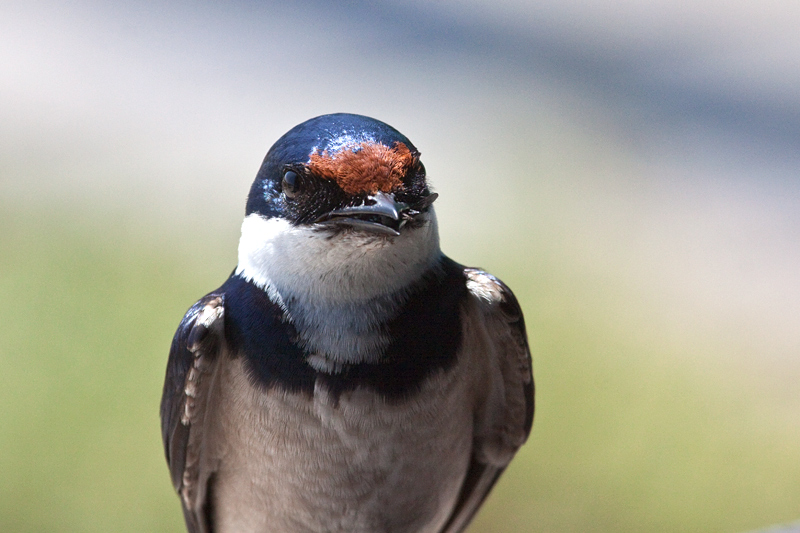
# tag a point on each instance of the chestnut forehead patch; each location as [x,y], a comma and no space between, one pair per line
[366,167]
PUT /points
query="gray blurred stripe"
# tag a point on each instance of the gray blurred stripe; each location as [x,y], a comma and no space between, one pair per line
[783,528]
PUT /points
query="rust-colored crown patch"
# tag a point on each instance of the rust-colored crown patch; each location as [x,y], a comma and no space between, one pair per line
[366,167]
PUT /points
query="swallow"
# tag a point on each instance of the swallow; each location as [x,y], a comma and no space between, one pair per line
[348,376]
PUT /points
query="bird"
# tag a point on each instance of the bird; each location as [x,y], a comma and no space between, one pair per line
[348,376]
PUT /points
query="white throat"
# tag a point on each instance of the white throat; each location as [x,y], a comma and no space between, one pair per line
[336,289]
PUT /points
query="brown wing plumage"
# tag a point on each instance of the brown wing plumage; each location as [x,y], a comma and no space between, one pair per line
[505,411]
[194,350]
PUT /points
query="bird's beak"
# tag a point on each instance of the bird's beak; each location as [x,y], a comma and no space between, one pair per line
[380,213]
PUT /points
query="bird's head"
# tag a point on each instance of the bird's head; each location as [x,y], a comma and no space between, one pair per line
[342,173]
[339,193]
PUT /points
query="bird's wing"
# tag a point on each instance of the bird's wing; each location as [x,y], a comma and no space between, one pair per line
[195,349]
[494,326]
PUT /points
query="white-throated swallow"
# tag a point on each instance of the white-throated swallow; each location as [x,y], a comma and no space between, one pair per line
[348,376]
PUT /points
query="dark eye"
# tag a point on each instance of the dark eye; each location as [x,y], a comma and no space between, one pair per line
[290,184]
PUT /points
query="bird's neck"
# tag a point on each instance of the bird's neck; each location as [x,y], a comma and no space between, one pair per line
[338,291]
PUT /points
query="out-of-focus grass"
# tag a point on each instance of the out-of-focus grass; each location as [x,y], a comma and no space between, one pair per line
[630,434]
[88,313]
[625,439]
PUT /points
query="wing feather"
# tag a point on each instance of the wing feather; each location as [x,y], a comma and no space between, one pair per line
[505,413]
[194,349]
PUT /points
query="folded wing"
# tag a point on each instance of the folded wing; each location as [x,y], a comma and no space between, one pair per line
[504,391]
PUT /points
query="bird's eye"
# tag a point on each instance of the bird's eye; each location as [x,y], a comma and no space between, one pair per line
[290,184]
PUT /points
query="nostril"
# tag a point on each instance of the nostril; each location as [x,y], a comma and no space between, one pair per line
[370,201]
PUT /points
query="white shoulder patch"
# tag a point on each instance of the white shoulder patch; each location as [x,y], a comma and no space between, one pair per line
[484,286]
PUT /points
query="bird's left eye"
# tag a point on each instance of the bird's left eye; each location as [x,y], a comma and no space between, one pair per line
[290,184]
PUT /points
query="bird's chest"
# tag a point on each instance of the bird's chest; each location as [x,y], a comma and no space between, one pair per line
[356,462]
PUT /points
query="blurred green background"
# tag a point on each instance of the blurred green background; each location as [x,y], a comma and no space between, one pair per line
[630,171]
